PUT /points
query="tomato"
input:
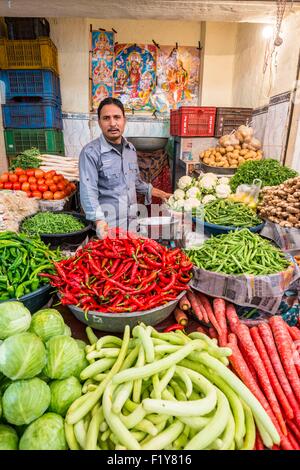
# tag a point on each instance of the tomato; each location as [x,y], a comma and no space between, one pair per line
[73,186]
[50,174]
[58,195]
[39,174]
[68,190]
[25,186]
[60,186]
[16,186]
[4,177]
[8,185]
[42,188]
[53,187]
[33,187]
[56,179]
[41,181]
[30,172]
[23,178]
[31,180]
[48,195]
[13,178]
[19,171]
[37,194]
[49,181]
[29,194]
[1,185]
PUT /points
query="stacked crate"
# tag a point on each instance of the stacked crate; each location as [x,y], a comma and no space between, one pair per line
[32,110]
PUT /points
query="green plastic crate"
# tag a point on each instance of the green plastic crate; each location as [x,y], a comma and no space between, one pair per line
[46,140]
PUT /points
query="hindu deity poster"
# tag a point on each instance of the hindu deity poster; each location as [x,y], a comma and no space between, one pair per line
[135,75]
[102,66]
[178,73]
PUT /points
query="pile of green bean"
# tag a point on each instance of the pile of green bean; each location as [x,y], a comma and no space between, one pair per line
[158,391]
[21,260]
[49,222]
[230,213]
[239,252]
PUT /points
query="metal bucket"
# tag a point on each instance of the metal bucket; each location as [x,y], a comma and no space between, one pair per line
[158,228]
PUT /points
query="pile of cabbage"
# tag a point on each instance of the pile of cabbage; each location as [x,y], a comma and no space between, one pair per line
[40,365]
[192,193]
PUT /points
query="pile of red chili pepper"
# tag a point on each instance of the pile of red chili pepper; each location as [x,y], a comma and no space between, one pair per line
[121,274]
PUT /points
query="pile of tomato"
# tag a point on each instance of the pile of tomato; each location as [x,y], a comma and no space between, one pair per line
[37,183]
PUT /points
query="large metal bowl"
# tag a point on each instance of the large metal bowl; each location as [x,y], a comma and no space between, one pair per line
[116,322]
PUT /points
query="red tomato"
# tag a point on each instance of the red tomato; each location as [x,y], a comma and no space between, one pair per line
[4,177]
[58,195]
[16,186]
[8,185]
[13,178]
[19,171]
[30,172]
[31,180]
[33,187]
[23,178]
[73,186]
[48,195]
[60,186]
[50,174]
[53,187]
[56,179]
[41,181]
[25,186]
[49,181]
[42,188]
[29,194]
[68,190]
[37,194]
[39,174]
[1,185]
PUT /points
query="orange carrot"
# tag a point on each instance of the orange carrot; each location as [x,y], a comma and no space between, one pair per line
[258,442]
[294,332]
[232,317]
[184,303]
[180,317]
[201,329]
[195,305]
[220,314]
[212,333]
[211,316]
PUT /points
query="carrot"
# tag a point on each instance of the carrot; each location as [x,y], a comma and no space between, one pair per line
[180,317]
[271,374]
[211,316]
[295,333]
[195,305]
[232,317]
[212,333]
[258,442]
[293,441]
[268,339]
[184,303]
[249,363]
[201,329]
[243,334]
[220,314]
[294,429]
[280,332]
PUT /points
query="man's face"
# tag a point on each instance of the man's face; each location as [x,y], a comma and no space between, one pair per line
[112,123]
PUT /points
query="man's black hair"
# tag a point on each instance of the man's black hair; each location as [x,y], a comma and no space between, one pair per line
[110,100]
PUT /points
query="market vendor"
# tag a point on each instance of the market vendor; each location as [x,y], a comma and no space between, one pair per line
[109,173]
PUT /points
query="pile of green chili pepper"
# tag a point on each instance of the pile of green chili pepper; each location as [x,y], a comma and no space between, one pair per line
[123,273]
[230,213]
[239,252]
[48,222]
[21,261]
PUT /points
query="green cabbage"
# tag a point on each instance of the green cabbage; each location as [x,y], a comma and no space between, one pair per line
[8,438]
[84,362]
[46,433]
[22,356]
[25,400]
[47,323]
[14,318]
[63,393]
[63,357]
[67,331]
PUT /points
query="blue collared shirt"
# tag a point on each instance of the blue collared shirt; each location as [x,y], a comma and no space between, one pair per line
[109,182]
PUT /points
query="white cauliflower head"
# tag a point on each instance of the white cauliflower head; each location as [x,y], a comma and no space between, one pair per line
[179,194]
[223,191]
[184,182]
[193,192]
[208,198]
[191,203]
[223,180]
[208,181]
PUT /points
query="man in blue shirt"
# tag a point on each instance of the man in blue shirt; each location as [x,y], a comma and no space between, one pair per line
[109,173]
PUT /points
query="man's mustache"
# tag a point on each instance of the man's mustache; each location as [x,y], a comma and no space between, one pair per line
[114,129]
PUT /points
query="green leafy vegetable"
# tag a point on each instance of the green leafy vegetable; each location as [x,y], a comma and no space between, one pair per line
[48,222]
[14,318]
[27,159]
[46,433]
[63,393]
[47,323]
[63,357]
[8,438]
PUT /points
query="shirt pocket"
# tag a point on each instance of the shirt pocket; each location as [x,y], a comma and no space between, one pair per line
[110,178]
[133,171]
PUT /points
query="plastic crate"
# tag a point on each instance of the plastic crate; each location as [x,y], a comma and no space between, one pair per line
[28,54]
[228,119]
[27,28]
[46,140]
[41,115]
[193,121]
[41,84]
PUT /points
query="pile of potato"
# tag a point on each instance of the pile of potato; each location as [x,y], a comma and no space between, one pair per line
[234,149]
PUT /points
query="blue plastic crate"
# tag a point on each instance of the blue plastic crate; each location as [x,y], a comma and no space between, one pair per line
[42,84]
[39,115]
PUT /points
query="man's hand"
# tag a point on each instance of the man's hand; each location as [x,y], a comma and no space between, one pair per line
[161,194]
[101,229]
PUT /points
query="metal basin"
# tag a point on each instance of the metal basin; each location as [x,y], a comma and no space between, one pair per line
[148,144]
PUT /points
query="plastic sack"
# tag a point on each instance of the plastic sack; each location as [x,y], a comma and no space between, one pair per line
[251,190]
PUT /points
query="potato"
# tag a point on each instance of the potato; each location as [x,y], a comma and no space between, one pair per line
[226,165]
[236,152]
[222,151]
[202,154]
[245,146]
[207,153]
[237,147]
[229,148]
[221,164]
[243,152]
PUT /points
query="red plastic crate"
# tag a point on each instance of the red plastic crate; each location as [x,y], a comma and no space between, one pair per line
[193,121]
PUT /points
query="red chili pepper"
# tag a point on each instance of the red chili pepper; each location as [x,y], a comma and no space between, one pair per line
[174,327]
[171,283]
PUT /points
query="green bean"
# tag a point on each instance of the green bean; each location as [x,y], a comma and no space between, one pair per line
[96,368]
[93,429]
[186,380]
[165,438]
[49,222]
[70,437]
[137,384]
[123,392]
[134,418]
[249,440]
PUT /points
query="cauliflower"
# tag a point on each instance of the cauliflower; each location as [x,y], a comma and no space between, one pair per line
[208,181]
[223,180]
[184,182]
[208,198]
[223,191]
[179,194]
[191,203]
[193,192]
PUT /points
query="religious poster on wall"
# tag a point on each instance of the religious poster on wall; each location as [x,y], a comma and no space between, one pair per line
[102,66]
[178,71]
[135,75]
